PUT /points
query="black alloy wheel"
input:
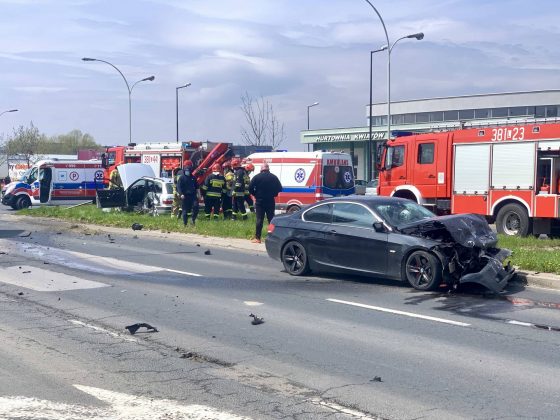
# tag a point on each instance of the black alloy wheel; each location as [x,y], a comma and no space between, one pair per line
[423,270]
[294,258]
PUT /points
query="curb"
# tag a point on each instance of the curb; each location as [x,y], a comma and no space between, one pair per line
[542,280]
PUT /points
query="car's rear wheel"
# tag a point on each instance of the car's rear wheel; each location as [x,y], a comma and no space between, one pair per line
[294,258]
[423,270]
[293,208]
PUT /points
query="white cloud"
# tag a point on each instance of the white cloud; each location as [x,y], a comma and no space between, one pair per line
[40,89]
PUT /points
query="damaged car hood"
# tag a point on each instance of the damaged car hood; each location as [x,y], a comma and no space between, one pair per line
[468,230]
[130,172]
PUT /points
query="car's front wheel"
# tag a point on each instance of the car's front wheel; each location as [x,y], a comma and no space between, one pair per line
[423,270]
[294,258]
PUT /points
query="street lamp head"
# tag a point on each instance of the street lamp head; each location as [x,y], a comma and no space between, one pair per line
[88,59]
[419,36]
[187,85]
[313,104]
[12,110]
[151,79]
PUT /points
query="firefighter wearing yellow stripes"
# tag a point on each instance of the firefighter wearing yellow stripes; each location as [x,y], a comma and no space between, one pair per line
[176,206]
[239,211]
[249,167]
[213,189]
[227,197]
[115,179]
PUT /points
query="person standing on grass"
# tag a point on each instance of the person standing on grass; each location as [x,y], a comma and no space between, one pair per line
[264,187]
[187,189]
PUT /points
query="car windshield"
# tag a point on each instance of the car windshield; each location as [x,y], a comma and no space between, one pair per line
[399,213]
[169,187]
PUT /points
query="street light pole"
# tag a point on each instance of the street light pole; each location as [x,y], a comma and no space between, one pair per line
[370,172]
[177,106]
[9,110]
[418,36]
[309,106]
[151,78]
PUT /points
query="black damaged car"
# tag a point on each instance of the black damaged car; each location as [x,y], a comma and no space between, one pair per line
[391,238]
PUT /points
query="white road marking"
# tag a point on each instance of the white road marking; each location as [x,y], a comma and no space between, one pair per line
[396,312]
[41,280]
[103,330]
[252,303]
[121,406]
[524,324]
[186,273]
[341,409]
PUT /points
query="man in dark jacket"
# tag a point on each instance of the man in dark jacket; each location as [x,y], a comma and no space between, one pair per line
[264,187]
[187,189]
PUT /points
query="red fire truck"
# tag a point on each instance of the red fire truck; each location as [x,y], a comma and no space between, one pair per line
[165,157]
[510,173]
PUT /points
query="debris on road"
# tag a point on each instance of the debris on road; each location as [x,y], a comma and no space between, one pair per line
[376,379]
[135,327]
[207,252]
[137,226]
[20,294]
[25,234]
[256,320]
[26,272]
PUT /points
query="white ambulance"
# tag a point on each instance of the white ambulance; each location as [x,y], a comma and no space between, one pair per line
[307,177]
[55,182]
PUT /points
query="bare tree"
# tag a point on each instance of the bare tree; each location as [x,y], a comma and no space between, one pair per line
[264,129]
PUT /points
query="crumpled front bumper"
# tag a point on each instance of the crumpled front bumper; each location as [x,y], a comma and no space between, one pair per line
[494,275]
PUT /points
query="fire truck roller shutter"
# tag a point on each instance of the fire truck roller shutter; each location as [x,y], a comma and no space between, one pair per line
[513,166]
[472,169]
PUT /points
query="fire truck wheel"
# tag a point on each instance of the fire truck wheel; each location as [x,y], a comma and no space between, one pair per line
[23,202]
[294,258]
[423,270]
[513,220]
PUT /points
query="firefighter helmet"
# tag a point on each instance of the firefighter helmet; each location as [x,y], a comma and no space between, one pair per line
[216,167]
[235,162]
[249,167]
[187,164]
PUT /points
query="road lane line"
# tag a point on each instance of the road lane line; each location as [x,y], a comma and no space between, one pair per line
[523,324]
[396,312]
[341,409]
[103,330]
[186,273]
[42,280]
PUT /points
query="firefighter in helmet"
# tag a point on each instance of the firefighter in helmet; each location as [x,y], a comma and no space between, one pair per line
[238,190]
[115,179]
[227,197]
[213,189]
[176,206]
[249,167]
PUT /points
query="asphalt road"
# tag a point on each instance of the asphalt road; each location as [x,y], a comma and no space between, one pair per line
[330,346]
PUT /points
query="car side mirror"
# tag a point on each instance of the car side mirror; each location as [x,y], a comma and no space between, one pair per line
[379,227]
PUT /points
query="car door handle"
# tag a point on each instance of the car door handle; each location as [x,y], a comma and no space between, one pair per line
[332,231]
[431,176]
[401,177]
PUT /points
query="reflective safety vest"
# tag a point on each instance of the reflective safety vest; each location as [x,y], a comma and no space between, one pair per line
[229,177]
[247,180]
[214,186]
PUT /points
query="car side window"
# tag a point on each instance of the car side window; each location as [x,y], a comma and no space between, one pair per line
[157,188]
[352,214]
[319,214]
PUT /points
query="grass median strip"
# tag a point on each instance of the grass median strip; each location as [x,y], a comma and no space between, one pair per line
[533,254]
[243,229]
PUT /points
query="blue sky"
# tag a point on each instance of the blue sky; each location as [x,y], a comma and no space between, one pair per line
[291,52]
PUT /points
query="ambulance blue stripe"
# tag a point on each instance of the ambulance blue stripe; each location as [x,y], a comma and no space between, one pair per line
[76,185]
